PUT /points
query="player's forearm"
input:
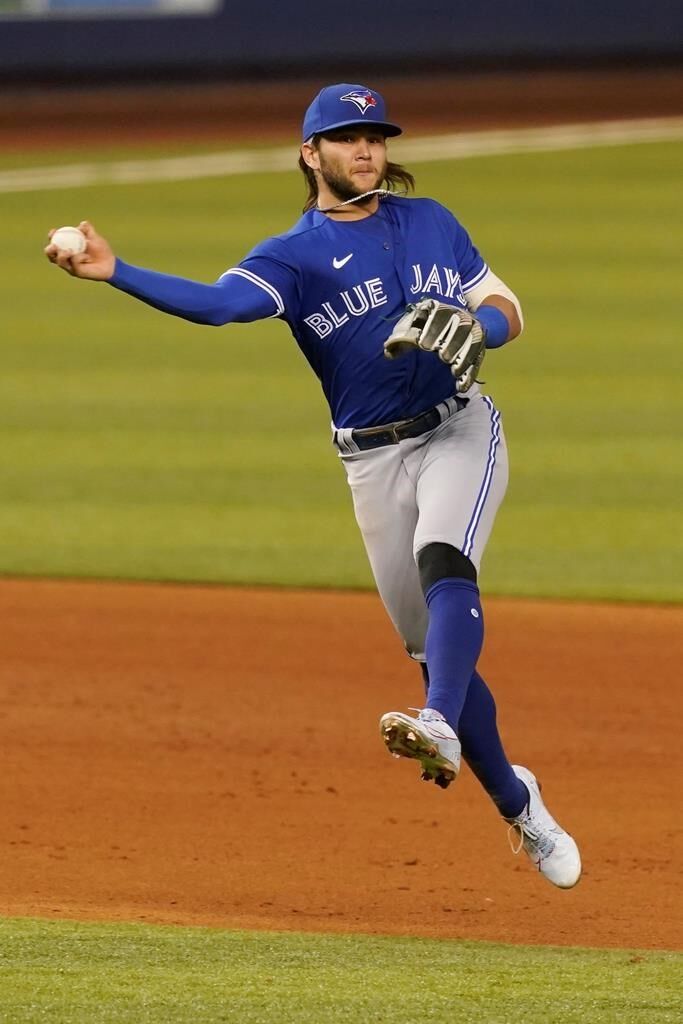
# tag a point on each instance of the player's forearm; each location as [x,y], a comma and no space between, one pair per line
[212,304]
[498,309]
[500,319]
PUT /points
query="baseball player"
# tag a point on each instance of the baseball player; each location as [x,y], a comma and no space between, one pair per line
[394,308]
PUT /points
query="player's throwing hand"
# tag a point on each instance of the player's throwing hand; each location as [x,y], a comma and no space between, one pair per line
[96,263]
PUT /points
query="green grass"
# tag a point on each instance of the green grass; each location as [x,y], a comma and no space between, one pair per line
[136,445]
[12,159]
[100,974]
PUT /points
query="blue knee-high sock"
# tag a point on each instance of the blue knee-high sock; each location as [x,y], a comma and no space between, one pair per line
[483,750]
[454,639]
[482,747]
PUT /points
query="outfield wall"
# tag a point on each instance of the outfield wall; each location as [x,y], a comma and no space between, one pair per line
[266,36]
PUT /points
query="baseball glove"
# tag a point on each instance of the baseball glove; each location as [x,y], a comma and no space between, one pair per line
[453,334]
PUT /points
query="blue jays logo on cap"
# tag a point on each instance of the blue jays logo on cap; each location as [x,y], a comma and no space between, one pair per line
[336,106]
[363,100]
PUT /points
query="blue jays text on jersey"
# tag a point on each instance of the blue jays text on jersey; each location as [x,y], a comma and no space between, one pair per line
[340,286]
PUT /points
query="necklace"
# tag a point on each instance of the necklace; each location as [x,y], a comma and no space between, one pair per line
[381,192]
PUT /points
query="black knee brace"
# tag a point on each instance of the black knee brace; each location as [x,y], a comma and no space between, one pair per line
[440,561]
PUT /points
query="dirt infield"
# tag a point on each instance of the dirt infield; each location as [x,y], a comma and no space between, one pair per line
[210,756]
[263,111]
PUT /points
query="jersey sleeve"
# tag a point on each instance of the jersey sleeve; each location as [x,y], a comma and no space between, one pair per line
[268,270]
[470,263]
[258,288]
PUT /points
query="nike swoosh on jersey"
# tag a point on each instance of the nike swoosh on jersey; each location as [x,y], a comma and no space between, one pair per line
[338,264]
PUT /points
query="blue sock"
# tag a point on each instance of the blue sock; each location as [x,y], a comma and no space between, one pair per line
[454,639]
[483,750]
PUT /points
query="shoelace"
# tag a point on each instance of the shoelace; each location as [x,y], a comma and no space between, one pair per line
[515,830]
[544,844]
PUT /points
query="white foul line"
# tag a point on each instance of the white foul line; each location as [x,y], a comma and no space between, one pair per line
[420,150]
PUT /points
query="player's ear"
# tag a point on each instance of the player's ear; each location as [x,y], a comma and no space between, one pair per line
[309,155]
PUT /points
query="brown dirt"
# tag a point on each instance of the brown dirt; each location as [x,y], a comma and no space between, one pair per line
[210,756]
[33,118]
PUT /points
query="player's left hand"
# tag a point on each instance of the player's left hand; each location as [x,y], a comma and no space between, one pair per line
[454,334]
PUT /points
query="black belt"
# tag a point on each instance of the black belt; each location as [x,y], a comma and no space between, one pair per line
[391,433]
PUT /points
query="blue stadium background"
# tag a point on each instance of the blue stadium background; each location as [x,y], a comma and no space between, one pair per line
[263,36]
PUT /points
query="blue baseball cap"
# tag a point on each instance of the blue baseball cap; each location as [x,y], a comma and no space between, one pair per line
[336,106]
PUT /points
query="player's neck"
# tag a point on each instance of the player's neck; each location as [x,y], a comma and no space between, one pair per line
[329,204]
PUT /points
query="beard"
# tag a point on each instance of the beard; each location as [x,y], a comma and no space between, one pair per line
[343,186]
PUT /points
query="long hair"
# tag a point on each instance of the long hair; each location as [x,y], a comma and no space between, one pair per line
[396,177]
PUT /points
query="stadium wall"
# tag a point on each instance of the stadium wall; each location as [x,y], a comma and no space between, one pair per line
[267,37]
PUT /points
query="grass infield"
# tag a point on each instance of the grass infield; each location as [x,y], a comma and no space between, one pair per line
[135,445]
[70,973]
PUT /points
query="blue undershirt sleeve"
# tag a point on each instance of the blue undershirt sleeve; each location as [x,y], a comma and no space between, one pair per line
[239,296]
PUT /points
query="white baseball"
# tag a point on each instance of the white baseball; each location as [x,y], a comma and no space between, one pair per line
[69,240]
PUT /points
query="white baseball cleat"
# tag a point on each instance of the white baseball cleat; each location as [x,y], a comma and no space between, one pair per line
[428,739]
[549,847]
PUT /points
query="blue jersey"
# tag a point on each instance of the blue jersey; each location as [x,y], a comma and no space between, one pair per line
[340,286]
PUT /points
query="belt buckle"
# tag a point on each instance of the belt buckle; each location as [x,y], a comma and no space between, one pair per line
[401,428]
[386,434]
[407,427]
